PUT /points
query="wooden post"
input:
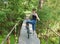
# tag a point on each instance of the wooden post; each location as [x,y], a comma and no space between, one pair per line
[15,36]
[8,40]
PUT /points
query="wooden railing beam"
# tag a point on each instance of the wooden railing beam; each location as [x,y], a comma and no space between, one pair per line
[10,32]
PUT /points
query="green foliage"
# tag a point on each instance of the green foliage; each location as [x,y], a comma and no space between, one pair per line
[2,16]
[13,11]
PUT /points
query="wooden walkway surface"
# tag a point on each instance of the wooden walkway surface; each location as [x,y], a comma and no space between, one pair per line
[23,35]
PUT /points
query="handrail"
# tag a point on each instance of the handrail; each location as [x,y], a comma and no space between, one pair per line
[48,28]
[51,29]
[54,32]
[15,27]
[10,32]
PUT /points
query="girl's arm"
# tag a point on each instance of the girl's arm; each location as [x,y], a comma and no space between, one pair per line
[37,17]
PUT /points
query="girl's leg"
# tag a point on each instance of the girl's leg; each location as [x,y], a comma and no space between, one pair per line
[33,23]
[30,21]
[33,26]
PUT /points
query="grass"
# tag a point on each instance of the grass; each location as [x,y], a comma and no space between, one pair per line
[50,40]
[12,39]
[1,38]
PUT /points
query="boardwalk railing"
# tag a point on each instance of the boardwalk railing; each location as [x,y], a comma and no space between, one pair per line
[55,33]
[7,39]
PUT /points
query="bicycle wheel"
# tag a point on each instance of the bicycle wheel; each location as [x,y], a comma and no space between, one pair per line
[28,31]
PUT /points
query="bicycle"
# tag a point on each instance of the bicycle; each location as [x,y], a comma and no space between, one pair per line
[28,31]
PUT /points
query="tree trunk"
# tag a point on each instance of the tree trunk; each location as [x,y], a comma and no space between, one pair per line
[40,4]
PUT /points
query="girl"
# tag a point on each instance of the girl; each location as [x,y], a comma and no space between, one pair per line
[34,18]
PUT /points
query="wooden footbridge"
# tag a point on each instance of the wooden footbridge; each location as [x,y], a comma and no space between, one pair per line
[22,39]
